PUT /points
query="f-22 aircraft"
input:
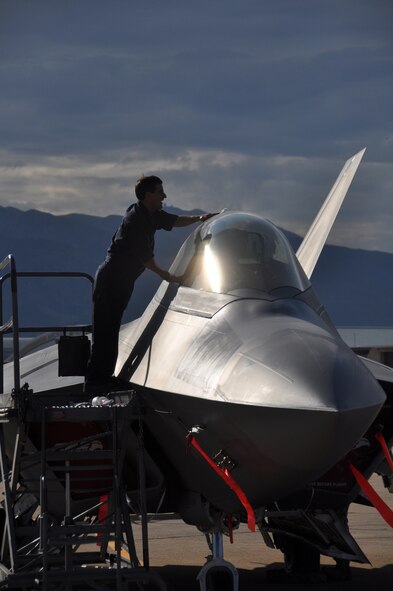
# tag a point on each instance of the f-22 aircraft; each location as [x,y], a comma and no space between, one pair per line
[255,409]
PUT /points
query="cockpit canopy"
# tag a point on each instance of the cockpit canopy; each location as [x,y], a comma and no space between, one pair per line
[234,252]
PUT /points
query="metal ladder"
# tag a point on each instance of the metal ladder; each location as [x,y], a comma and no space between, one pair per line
[47,556]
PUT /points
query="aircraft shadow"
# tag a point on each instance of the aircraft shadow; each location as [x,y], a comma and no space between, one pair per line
[179,578]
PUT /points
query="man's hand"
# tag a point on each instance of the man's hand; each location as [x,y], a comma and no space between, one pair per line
[206,216]
[152,265]
[187,220]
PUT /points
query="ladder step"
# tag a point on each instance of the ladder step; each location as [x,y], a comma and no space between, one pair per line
[78,529]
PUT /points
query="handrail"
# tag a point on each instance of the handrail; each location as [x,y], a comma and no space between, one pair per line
[13,323]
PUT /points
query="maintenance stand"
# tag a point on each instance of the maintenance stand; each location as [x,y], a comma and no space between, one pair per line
[42,534]
[64,520]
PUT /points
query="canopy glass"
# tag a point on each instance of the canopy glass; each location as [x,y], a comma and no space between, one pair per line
[239,251]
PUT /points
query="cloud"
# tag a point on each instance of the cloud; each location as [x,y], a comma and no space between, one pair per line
[287,190]
[254,107]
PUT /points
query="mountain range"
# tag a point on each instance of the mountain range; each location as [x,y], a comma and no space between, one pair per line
[356,286]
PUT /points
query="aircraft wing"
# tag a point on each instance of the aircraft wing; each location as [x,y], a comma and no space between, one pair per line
[381,372]
[311,247]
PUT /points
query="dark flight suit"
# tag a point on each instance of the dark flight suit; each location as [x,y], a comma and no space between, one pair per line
[131,247]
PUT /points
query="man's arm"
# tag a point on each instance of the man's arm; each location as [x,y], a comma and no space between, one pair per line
[152,266]
[187,220]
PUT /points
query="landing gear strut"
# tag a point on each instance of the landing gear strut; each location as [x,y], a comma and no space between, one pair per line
[218,574]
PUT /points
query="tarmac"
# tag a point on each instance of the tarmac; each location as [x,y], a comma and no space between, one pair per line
[178,551]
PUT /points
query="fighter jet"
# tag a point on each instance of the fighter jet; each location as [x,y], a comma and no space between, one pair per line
[249,393]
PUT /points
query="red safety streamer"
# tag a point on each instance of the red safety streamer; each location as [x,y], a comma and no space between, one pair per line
[103,511]
[380,438]
[380,505]
[231,482]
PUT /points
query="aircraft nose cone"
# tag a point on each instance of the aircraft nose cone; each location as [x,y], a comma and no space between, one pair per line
[305,367]
[311,400]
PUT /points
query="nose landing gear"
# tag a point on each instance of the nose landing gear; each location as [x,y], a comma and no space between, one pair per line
[218,574]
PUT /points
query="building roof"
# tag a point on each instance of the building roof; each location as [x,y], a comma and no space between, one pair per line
[367,336]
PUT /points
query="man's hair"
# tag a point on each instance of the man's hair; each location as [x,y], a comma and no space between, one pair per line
[146,184]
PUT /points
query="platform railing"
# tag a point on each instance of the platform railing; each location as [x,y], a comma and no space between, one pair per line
[12,324]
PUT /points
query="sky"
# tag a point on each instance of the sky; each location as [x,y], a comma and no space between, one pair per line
[240,104]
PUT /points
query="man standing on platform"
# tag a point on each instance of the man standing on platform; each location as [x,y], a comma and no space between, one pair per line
[130,253]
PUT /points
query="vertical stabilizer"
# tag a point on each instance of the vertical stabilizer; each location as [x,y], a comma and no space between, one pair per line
[311,247]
